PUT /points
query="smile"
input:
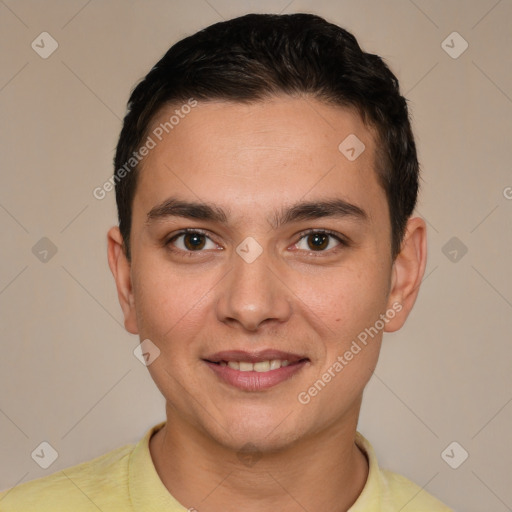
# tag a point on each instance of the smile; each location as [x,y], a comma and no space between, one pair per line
[256,371]
[261,366]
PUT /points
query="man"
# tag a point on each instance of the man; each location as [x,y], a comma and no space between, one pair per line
[266,175]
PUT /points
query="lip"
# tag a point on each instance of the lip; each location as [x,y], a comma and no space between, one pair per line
[253,357]
[252,380]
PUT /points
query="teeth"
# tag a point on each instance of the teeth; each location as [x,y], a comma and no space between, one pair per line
[275,364]
[260,366]
[246,367]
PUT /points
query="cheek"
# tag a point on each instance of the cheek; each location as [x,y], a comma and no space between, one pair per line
[171,313]
[167,302]
[347,298]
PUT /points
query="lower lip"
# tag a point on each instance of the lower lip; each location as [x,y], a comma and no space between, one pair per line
[255,381]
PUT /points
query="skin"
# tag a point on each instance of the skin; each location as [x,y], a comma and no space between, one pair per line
[252,160]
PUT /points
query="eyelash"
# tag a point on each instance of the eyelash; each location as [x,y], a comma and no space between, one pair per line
[342,241]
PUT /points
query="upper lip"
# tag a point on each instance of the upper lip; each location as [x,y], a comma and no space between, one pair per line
[253,357]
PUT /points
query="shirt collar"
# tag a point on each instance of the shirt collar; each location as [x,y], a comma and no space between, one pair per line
[375,487]
[147,491]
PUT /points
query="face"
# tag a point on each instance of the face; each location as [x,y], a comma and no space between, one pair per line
[261,278]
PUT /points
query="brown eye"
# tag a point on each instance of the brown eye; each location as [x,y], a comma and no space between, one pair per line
[320,241]
[193,241]
[190,241]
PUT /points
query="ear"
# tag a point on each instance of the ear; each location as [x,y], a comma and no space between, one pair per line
[407,273]
[121,270]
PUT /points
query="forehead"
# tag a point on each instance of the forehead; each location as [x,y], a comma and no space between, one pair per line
[277,122]
[272,151]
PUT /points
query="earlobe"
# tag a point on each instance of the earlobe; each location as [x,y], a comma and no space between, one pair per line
[407,273]
[121,270]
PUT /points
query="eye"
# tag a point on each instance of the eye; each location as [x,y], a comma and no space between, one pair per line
[192,240]
[319,241]
[188,241]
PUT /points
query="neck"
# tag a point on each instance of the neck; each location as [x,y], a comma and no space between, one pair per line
[324,472]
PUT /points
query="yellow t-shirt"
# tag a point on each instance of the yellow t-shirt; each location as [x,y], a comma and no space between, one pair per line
[125,480]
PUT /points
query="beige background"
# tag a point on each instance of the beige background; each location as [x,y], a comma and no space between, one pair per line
[67,372]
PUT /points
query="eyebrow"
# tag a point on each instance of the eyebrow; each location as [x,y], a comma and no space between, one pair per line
[309,210]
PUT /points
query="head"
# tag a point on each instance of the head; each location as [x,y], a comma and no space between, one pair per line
[249,120]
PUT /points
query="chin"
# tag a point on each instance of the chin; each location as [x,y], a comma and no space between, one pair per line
[264,433]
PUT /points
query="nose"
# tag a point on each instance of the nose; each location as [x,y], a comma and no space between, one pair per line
[253,294]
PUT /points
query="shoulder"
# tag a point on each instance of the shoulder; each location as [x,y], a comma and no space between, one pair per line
[405,495]
[96,484]
[386,491]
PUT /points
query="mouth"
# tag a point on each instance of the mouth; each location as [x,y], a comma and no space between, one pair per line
[255,371]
